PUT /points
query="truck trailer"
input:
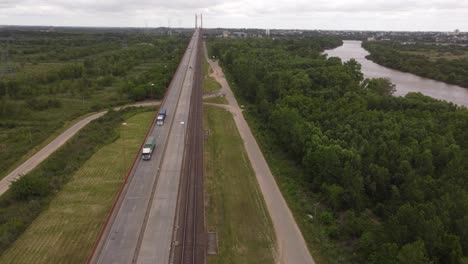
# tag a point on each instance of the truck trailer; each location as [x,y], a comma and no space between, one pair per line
[161,117]
[148,148]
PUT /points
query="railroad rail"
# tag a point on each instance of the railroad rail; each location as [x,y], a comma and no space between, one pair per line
[191,248]
[139,227]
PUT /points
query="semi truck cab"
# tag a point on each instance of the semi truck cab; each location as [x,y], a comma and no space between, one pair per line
[148,148]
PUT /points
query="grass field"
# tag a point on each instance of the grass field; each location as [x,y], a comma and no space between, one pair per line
[52,79]
[44,143]
[216,100]
[235,206]
[434,55]
[66,231]
[210,85]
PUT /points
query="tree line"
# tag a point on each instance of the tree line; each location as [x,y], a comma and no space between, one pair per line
[452,69]
[390,171]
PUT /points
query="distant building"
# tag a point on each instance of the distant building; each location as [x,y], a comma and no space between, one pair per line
[225,34]
[50,29]
[371,39]
[239,34]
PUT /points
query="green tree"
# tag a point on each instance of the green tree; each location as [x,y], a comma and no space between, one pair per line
[414,253]
[381,86]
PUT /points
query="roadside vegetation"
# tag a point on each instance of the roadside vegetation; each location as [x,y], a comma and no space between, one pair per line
[52,78]
[371,178]
[216,100]
[62,205]
[439,62]
[210,85]
[235,207]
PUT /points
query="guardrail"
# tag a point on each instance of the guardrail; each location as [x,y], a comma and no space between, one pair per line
[117,200]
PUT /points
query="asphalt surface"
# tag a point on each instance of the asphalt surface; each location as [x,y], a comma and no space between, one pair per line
[189,245]
[157,238]
[141,227]
[292,247]
[50,148]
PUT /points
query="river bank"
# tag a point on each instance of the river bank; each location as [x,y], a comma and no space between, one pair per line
[404,82]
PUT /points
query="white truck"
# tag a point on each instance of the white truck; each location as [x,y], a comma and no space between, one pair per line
[148,148]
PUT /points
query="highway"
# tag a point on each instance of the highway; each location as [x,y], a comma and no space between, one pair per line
[141,227]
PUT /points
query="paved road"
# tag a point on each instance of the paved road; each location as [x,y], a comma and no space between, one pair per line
[141,227]
[50,148]
[157,238]
[292,248]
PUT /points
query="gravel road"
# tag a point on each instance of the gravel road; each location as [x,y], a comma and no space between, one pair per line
[292,248]
[50,148]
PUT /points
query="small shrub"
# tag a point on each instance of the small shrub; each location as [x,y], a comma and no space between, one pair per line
[28,187]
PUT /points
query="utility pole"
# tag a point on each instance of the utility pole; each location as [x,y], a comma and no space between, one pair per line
[196,21]
[201,20]
[30,136]
[124,165]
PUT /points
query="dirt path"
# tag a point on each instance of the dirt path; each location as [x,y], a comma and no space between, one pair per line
[50,148]
[292,248]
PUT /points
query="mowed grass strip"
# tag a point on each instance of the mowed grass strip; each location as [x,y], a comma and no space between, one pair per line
[210,85]
[65,232]
[216,100]
[235,205]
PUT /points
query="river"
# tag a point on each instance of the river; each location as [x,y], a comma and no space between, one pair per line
[404,82]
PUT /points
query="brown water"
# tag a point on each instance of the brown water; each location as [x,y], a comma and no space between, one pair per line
[405,82]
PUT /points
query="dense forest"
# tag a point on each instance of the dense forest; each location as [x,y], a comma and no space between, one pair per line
[391,172]
[443,63]
[50,78]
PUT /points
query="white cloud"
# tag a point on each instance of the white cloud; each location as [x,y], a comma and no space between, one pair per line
[307,14]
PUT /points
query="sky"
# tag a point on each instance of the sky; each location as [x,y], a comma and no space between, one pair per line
[410,15]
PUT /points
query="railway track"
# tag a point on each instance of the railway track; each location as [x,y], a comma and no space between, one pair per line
[139,229]
[190,248]
[153,192]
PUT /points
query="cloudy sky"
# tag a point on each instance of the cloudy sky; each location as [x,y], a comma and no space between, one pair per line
[437,15]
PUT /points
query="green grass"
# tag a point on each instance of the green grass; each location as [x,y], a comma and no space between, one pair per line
[25,129]
[210,85]
[434,55]
[38,147]
[74,71]
[66,230]
[236,209]
[35,69]
[216,100]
